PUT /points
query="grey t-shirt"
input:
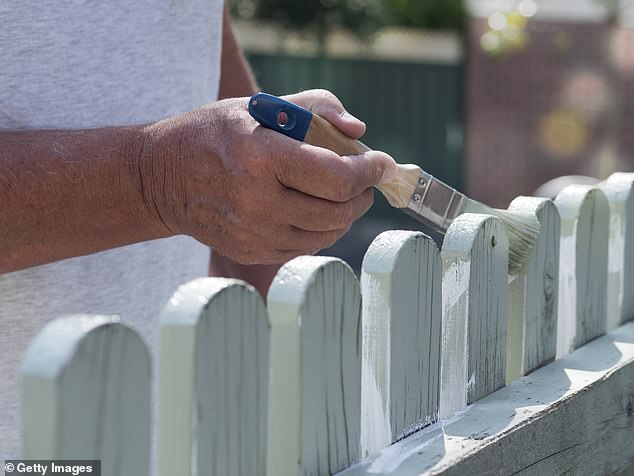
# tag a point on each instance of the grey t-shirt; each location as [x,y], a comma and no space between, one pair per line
[89,63]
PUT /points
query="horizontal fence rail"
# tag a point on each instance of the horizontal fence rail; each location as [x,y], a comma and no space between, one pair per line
[435,361]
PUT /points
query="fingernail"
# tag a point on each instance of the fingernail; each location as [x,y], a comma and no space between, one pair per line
[347,115]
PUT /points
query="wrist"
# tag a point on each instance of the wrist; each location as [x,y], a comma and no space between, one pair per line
[149,167]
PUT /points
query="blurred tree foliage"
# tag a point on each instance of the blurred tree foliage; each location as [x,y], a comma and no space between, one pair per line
[430,14]
[362,16]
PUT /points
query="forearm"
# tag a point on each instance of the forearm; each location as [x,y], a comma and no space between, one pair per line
[236,78]
[70,193]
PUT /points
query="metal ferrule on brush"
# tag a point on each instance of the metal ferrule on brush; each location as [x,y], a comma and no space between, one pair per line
[434,203]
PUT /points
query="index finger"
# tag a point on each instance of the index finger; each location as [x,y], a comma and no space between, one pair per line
[322,173]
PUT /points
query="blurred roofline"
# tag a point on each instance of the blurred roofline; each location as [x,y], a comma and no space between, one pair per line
[388,44]
[561,10]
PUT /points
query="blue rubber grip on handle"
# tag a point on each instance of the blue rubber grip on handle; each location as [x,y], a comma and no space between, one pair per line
[266,109]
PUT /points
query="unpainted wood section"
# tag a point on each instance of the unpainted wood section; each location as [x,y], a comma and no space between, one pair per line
[86,394]
[323,134]
[401,314]
[475,300]
[583,266]
[618,189]
[315,368]
[398,191]
[533,292]
[214,376]
[573,416]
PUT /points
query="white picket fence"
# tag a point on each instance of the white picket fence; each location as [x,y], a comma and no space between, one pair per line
[437,362]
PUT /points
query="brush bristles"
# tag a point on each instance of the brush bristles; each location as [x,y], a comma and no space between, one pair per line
[522,230]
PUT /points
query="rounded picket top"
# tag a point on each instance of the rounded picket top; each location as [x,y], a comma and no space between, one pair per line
[314,308]
[390,249]
[86,394]
[476,233]
[213,379]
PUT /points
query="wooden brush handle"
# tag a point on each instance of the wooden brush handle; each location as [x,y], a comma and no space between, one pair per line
[397,191]
[307,126]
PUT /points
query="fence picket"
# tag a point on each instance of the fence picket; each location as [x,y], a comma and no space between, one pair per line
[213,380]
[86,394]
[401,313]
[315,369]
[619,190]
[583,266]
[475,302]
[533,292]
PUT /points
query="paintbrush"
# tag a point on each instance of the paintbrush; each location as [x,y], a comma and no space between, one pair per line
[413,190]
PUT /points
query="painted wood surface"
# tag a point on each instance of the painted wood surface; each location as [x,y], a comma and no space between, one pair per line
[86,395]
[533,293]
[619,190]
[315,368]
[401,314]
[583,266]
[213,380]
[475,302]
[572,416]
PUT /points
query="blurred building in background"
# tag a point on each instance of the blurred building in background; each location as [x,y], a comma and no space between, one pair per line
[494,97]
[550,92]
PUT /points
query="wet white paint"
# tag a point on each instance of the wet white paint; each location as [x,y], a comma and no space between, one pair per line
[401,328]
[618,190]
[376,431]
[567,319]
[455,346]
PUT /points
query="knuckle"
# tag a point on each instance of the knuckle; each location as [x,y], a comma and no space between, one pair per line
[324,93]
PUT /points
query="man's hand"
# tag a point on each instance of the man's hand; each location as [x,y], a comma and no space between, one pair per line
[212,173]
[253,194]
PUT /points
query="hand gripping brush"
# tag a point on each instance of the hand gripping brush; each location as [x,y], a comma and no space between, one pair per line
[413,190]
